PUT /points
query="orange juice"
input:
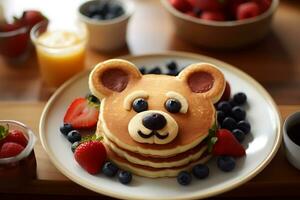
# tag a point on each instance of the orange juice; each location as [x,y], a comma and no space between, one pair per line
[61,55]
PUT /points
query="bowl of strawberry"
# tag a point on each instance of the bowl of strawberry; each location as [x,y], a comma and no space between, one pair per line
[15,38]
[221,23]
[17,158]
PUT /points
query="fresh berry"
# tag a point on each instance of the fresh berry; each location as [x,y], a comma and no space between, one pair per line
[197,11]
[74,136]
[174,72]
[226,163]
[229,123]
[232,103]
[226,93]
[239,135]
[10,149]
[184,178]
[172,65]
[211,5]
[124,177]
[224,106]
[110,169]
[244,126]
[82,114]
[104,11]
[240,98]
[16,136]
[227,144]
[140,105]
[32,17]
[181,5]
[155,70]
[90,156]
[93,99]
[238,113]
[264,5]
[213,16]
[233,5]
[74,146]
[200,171]
[66,128]
[247,10]
[173,105]
[220,116]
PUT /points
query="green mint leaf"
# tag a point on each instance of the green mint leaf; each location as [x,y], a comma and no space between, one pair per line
[3,131]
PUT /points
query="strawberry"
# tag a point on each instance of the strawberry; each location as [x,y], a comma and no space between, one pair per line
[16,136]
[181,5]
[247,10]
[32,17]
[10,149]
[213,15]
[227,144]
[82,114]
[91,155]
[263,4]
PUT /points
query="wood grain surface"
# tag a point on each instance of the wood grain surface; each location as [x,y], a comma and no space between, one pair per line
[279,178]
[274,62]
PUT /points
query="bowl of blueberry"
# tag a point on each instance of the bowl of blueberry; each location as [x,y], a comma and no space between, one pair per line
[221,23]
[106,21]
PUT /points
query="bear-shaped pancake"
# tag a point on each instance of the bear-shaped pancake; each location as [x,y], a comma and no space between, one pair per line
[155,115]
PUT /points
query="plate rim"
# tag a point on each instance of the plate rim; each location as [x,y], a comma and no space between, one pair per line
[194,195]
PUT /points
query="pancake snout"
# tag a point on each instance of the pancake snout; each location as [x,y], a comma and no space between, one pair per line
[153,127]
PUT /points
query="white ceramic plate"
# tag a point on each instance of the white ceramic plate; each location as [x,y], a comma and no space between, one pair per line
[262,143]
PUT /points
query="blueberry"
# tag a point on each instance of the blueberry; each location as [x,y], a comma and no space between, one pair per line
[93,99]
[200,171]
[74,136]
[109,16]
[197,11]
[155,70]
[229,123]
[173,105]
[92,10]
[240,98]
[226,163]
[124,177]
[184,178]
[139,105]
[238,113]
[142,70]
[244,126]
[116,10]
[232,103]
[66,128]
[74,146]
[110,169]
[220,116]
[173,72]
[172,65]
[224,106]
[97,17]
[239,135]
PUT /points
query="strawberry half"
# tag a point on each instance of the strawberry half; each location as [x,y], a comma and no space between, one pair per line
[16,136]
[91,156]
[227,145]
[82,114]
[10,149]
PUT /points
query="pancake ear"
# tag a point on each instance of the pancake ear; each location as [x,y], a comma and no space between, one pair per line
[204,79]
[112,76]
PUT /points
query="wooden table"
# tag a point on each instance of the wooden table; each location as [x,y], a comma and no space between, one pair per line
[274,62]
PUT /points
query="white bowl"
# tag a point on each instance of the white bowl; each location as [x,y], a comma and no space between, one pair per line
[107,35]
[221,34]
[292,150]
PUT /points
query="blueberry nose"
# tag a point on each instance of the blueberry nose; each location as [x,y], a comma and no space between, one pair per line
[154,121]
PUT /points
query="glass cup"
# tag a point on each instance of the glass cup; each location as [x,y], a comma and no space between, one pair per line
[60,50]
[22,166]
[15,45]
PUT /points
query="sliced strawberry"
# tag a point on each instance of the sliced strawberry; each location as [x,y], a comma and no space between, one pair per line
[10,149]
[208,5]
[91,156]
[227,145]
[213,15]
[32,17]
[16,136]
[82,114]
[181,5]
[247,10]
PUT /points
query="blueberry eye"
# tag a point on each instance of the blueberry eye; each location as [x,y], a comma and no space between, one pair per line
[173,105]
[140,105]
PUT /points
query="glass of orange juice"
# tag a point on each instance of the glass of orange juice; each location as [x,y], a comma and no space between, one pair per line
[60,50]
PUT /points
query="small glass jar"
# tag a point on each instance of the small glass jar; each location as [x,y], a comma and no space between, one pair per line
[22,166]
